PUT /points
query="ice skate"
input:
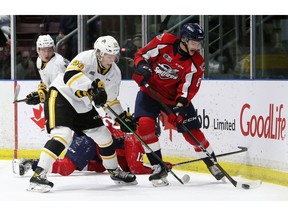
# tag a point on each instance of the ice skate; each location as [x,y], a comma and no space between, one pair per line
[217,173]
[21,166]
[39,182]
[158,177]
[121,177]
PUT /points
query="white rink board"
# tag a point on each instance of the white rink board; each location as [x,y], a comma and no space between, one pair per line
[217,102]
[6,115]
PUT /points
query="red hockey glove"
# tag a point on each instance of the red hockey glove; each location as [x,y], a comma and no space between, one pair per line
[169,165]
[142,74]
[176,116]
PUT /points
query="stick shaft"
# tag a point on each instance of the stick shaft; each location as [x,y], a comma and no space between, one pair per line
[21,100]
[243,149]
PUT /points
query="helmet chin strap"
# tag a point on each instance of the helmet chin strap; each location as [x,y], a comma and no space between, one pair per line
[181,51]
[101,69]
[99,59]
[100,64]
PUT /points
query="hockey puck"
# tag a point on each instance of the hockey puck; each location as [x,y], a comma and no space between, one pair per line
[185,179]
[245,186]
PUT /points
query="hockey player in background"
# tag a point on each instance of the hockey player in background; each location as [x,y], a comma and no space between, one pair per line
[173,68]
[83,152]
[49,65]
[68,107]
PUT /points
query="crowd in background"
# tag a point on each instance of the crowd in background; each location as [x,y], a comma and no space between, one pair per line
[228,39]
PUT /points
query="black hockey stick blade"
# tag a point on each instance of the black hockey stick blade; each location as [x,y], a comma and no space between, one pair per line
[242,149]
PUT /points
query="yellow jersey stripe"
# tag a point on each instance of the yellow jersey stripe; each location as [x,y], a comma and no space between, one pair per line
[108,157]
[74,78]
[51,108]
[111,104]
[105,144]
[49,153]
[60,139]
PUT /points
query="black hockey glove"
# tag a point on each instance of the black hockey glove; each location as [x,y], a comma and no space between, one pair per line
[143,73]
[128,120]
[98,93]
[36,97]
[32,98]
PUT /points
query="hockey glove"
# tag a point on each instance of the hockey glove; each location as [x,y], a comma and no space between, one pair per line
[176,116]
[98,93]
[36,97]
[128,120]
[142,73]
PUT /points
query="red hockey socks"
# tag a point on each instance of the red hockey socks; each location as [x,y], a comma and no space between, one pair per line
[63,166]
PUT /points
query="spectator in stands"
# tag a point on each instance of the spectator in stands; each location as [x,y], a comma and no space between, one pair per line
[5,63]
[4,30]
[68,23]
[26,69]
[130,47]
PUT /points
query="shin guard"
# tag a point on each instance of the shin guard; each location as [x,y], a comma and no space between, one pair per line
[197,133]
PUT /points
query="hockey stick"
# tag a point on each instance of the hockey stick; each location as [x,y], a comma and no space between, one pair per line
[183,127]
[242,149]
[16,93]
[17,90]
[21,100]
[185,179]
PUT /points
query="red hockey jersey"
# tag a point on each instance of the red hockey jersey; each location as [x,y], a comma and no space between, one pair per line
[174,75]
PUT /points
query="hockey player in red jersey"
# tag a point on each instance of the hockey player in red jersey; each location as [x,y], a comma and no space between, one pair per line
[83,152]
[173,68]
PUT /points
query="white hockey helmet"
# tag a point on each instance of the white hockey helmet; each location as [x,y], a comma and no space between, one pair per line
[106,45]
[44,41]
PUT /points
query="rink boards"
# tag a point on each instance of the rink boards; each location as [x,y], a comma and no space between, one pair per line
[252,114]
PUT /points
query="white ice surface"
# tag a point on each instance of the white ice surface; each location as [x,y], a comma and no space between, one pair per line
[90,189]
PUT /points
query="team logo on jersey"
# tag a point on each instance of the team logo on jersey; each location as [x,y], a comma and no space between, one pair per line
[164,71]
[167,57]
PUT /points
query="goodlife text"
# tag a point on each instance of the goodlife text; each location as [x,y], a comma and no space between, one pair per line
[270,127]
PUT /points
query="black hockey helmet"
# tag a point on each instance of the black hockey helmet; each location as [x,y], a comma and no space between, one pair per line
[192,31]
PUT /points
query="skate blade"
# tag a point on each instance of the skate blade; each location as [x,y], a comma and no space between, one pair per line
[224,179]
[15,166]
[160,182]
[117,182]
[33,187]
